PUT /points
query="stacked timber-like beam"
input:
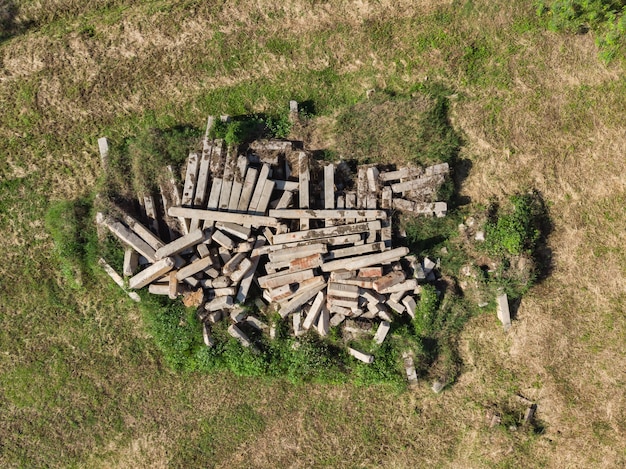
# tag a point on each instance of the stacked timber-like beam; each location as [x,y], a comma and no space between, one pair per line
[323,256]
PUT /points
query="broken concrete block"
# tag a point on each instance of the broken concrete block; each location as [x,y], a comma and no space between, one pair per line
[323,322]
[336,319]
[410,305]
[382,331]
[131,262]
[223,240]
[219,303]
[297,324]
[503,312]
[242,270]
[341,290]
[256,323]
[243,339]
[409,366]
[364,357]
[206,335]
[392,278]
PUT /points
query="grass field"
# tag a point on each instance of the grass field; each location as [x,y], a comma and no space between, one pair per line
[82,383]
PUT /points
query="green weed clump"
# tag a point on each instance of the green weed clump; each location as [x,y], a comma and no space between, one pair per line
[515,231]
[606,17]
[245,129]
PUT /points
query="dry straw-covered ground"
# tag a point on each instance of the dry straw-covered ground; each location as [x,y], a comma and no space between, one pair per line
[81,382]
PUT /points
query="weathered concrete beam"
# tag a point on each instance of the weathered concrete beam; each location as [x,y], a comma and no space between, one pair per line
[441,168]
[117,279]
[313,314]
[282,278]
[327,232]
[246,281]
[227,179]
[206,335]
[243,339]
[409,367]
[304,178]
[248,188]
[191,177]
[258,190]
[151,273]
[195,267]
[355,250]
[173,289]
[402,173]
[127,236]
[304,263]
[239,231]
[322,214]
[214,215]
[407,285]
[299,300]
[366,261]
[242,269]
[103,147]
[180,244]
[264,200]
[159,289]
[151,213]
[417,184]
[285,200]
[372,179]
[286,253]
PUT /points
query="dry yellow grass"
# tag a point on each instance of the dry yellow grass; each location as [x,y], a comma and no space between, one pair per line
[557,125]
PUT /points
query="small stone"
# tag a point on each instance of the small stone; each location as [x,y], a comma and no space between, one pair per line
[437,387]
[480,236]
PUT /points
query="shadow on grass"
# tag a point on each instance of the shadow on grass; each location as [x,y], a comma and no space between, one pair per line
[9,26]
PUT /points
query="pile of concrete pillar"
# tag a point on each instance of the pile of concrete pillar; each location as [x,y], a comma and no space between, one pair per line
[318,246]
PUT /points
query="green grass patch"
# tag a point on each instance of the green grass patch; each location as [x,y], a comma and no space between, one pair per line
[390,128]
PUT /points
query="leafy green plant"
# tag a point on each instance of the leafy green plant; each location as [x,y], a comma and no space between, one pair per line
[279,126]
[606,17]
[515,231]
